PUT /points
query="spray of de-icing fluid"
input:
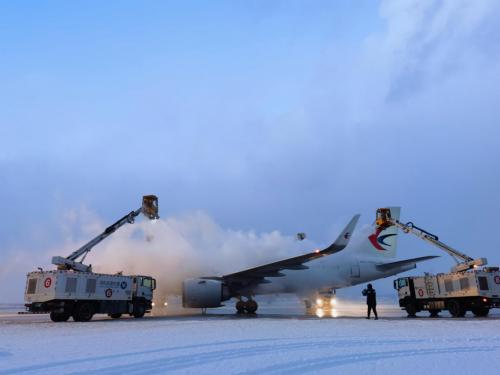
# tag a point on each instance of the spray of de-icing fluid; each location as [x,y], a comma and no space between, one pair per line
[192,245]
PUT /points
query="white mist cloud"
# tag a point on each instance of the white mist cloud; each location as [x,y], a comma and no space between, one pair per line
[170,249]
[190,245]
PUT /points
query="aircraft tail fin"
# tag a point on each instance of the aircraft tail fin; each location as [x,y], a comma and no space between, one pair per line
[381,242]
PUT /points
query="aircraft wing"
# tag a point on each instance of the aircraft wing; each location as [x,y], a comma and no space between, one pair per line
[257,275]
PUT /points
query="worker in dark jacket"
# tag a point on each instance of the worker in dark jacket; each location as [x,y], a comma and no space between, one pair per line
[371,300]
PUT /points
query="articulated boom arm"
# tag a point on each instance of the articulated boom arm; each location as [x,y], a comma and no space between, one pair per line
[149,209]
[464,262]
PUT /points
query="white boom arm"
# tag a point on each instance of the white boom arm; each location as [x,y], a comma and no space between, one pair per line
[149,208]
[464,262]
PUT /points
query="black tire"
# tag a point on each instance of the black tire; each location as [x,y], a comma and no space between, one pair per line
[480,311]
[59,317]
[251,306]
[83,312]
[456,309]
[139,311]
[411,309]
[115,316]
[240,307]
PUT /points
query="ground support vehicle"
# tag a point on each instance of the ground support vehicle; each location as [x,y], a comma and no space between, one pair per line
[466,287]
[477,291]
[74,290]
[80,295]
[323,304]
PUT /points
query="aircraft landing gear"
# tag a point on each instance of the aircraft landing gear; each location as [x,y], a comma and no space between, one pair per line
[240,306]
[250,306]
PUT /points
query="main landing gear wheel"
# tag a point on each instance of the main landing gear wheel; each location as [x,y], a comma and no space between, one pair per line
[59,317]
[251,306]
[240,307]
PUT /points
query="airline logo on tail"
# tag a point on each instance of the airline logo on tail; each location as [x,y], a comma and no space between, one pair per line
[377,241]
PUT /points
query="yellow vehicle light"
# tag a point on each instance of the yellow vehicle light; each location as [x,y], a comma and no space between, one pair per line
[320,313]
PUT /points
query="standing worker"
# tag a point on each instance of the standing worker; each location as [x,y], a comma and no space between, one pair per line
[371,300]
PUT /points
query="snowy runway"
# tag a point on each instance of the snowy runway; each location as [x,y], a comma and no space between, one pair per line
[270,344]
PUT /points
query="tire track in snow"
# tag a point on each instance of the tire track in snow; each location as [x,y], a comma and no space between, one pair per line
[190,360]
[42,367]
[193,359]
[305,366]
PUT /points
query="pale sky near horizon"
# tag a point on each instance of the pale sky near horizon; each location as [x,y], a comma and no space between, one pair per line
[265,115]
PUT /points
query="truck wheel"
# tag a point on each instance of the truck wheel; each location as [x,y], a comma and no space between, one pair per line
[434,313]
[456,309]
[115,316]
[480,311]
[139,311]
[411,310]
[83,312]
[59,317]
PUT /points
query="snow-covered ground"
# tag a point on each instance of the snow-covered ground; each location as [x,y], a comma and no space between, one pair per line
[269,343]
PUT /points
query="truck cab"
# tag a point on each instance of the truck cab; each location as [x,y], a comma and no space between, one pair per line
[402,285]
[143,287]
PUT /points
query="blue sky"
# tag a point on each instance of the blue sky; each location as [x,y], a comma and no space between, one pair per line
[282,115]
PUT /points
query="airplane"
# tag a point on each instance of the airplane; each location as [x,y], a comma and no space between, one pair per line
[328,269]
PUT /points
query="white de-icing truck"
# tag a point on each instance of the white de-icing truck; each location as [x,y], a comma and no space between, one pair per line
[457,292]
[466,287]
[73,290]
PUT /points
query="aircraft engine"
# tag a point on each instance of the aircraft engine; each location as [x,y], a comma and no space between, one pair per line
[203,293]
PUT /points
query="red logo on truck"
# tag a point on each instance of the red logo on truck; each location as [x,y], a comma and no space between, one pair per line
[48,282]
[109,293]
[497,279]
[420,292]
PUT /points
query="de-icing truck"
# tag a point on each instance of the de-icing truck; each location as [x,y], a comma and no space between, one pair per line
[466,288]
[457,292]
[73,290]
